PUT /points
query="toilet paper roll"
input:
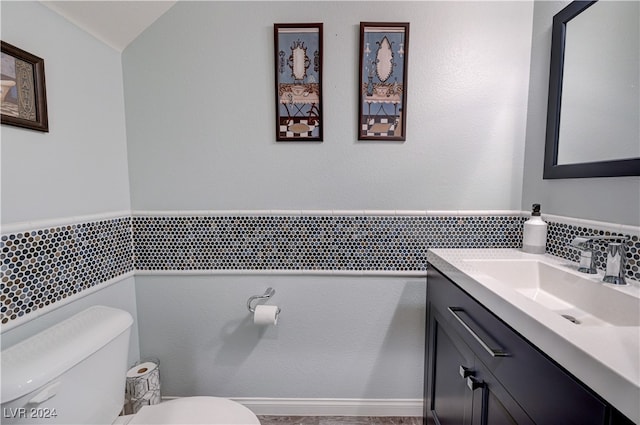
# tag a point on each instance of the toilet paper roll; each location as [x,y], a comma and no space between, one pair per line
[142,378]
[266,315]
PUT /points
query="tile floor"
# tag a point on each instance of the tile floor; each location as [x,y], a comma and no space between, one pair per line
[338,420]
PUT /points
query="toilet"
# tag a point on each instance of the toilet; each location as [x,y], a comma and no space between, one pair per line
[74,373]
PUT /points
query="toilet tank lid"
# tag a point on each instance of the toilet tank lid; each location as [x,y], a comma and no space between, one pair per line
[37,360]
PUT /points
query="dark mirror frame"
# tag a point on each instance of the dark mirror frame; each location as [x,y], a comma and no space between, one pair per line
[552,170]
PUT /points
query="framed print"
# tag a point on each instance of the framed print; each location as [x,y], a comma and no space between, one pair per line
[24,101]
[298,65]
[382,104]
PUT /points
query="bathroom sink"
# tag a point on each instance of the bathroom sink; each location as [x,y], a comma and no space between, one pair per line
[580,298]
[531,293]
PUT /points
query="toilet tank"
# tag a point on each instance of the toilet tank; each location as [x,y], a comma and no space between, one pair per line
[71,373]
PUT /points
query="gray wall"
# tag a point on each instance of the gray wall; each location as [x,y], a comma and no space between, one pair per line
[120,295]
[199,95]
[612,199]
[199,92]
[337,336]
[198,87]
[80,166]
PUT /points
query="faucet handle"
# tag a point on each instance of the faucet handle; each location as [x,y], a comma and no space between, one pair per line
[587,262]
[581,242]
[587,257]
[615,264]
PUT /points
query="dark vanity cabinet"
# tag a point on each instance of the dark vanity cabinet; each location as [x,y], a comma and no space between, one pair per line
[463,391]
[480,371]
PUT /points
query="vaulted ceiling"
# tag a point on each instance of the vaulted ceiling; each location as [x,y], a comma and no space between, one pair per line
[116,23]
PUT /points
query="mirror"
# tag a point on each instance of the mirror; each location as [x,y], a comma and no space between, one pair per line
[299,61]
[593,114]
[384,59]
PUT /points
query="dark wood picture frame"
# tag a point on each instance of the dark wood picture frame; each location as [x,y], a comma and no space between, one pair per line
[382,87]
[24,99]
[298,82]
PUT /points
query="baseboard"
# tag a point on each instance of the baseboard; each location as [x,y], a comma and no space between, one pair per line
[332,406]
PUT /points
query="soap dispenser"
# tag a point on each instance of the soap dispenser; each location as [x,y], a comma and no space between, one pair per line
[534,240]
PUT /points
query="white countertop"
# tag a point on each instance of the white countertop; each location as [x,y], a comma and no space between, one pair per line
[605,358]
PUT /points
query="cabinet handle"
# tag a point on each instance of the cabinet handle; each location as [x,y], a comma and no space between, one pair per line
[494,352]
[465,371]
[474,384]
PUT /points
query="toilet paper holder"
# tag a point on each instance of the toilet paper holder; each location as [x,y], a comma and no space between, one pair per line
[267,294]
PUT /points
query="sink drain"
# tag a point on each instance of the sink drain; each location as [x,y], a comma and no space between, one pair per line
[571,318]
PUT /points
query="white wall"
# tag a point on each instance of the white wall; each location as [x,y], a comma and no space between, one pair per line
[80,166]
[611,199]
[199,91]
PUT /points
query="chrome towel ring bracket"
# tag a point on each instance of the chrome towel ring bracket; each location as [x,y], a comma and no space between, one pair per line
[267,294]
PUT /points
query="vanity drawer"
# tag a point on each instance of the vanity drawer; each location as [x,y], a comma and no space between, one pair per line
[544,390]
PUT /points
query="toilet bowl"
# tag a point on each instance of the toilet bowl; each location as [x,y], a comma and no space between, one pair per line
[74,373]
[193,410]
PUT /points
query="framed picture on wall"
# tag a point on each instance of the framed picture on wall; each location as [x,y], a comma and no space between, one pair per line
[298,66]
[382,89]
[24,101]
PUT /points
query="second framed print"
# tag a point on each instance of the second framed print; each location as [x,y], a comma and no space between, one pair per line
[382,105]
[298,60]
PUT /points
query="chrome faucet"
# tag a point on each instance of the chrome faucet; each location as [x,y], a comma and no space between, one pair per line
[616,257]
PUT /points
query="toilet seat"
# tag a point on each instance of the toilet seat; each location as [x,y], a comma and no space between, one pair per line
[196,410]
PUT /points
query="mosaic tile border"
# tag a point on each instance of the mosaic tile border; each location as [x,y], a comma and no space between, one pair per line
[47,265]
[349,243]
[62,258]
